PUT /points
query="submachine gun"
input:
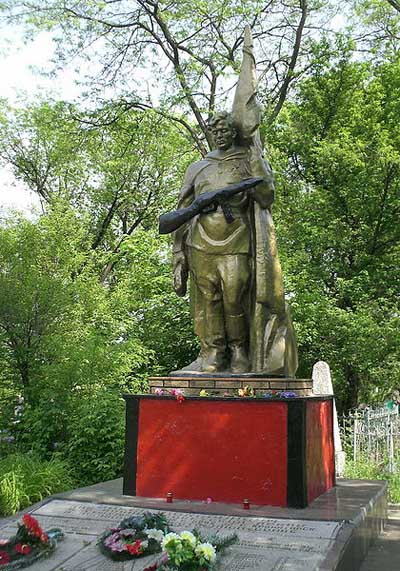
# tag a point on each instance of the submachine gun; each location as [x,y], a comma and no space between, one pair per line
[204,203]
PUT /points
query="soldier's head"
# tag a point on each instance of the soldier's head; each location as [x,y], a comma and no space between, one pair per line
[223,130]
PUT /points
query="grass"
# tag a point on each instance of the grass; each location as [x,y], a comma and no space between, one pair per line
[26,479]
[366,470]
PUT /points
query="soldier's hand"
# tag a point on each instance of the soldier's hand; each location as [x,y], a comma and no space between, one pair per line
[180,273]
[179,258]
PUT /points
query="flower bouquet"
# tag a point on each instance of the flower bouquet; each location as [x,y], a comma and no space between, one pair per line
[28,545]
[188,551]
[134,537]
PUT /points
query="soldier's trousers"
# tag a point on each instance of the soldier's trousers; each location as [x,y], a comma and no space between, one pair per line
[220,289]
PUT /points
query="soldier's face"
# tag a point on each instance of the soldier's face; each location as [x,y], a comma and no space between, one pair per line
[223,135]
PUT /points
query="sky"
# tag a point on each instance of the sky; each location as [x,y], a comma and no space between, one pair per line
[20,84]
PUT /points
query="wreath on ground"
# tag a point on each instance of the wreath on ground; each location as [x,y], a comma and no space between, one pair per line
[28,545]
[149,534]
[134,537]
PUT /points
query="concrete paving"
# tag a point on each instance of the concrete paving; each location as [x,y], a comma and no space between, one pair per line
[332,534]
[384,554]
[269,544]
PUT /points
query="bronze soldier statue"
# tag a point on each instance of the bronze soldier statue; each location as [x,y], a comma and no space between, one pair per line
[237,297]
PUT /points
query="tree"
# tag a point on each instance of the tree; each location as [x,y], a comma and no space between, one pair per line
[192,47]
[121,175]
[59,331]
[341,180]
[380,21]
[64,336]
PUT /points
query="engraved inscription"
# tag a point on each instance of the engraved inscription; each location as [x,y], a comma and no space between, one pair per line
[265,544]
[220,524]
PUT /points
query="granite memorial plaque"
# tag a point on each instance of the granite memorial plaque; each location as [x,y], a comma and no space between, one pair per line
[266,544]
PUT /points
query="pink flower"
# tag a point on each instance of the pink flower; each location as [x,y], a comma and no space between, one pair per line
[176,392]
[209,500]
[159,392]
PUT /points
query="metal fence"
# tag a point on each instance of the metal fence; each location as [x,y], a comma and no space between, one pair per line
[372,433]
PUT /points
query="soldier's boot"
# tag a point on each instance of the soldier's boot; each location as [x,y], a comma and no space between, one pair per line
[236,328]
[213,361]
[213,345]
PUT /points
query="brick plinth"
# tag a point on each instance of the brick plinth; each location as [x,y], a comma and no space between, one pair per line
[218,386]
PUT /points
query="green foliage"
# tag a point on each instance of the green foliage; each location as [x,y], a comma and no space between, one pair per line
[337,148]
[164,318]
[120,175]
[96,437]
[364,469]
[87,309]
[60,329]
[26,479]
[187,49]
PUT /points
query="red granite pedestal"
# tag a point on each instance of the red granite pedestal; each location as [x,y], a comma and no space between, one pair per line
[276,452]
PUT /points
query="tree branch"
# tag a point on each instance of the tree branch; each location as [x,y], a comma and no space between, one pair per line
[293,60]
[395,4]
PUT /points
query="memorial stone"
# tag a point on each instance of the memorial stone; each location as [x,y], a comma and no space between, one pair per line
[322,385]
[264,543]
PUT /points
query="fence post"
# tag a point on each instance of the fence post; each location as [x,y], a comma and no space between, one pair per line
[355,431]
[391,448]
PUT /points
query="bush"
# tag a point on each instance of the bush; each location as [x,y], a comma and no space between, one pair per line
[365,469]
[42,428]
[26,479]
[95,444]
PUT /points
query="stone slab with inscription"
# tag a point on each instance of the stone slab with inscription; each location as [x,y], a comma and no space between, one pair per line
[264,543]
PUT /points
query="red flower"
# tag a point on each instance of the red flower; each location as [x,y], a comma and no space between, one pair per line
[134,548]
[4,558]
[23,549]
[30,522]
[32,525]
[180,398]
[44,538]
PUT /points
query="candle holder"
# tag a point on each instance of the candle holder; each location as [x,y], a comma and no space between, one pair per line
[246,504]
[170,497]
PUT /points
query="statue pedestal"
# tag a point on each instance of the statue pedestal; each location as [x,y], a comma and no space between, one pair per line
[227,384]
[276,452]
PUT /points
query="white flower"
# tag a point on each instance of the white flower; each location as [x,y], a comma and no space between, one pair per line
[169,538]
[144,544]
[156,534]
[207,551]
[188,536]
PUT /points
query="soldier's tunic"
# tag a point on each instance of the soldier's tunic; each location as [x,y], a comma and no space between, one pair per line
[236,266]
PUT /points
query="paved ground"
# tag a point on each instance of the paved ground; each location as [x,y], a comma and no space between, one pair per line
[267,544]
[271,539]
[384,555]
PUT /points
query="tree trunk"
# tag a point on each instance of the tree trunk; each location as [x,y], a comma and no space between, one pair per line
[353,384]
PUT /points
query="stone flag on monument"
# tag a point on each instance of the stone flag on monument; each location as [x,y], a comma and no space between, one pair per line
[273,348]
